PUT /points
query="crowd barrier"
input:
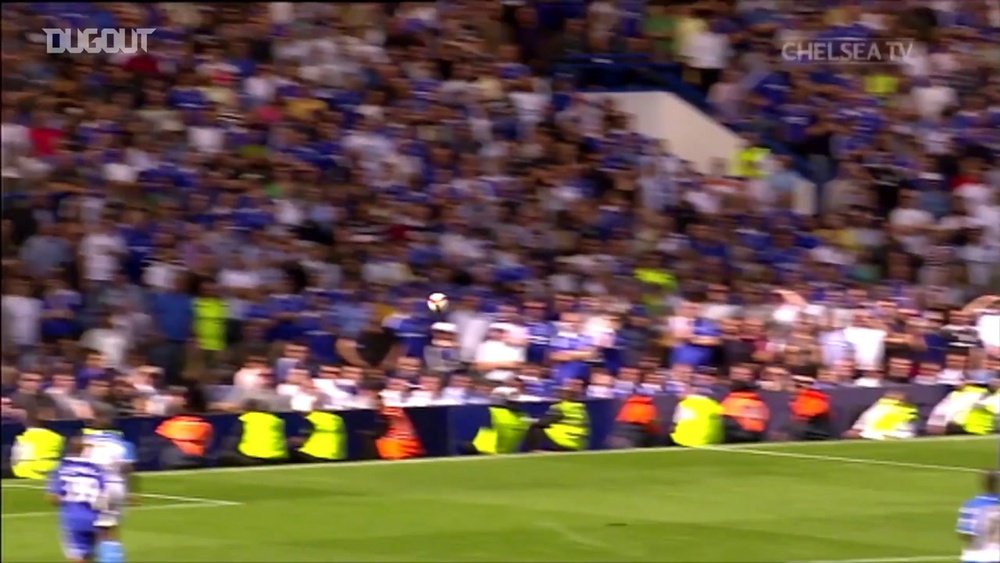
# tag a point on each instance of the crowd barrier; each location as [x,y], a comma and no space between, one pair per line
[443,428]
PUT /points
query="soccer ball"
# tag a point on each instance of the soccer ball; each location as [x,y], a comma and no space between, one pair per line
[437,302]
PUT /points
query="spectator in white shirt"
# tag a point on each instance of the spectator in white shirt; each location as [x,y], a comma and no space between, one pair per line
[14,143]
[656,188]
[249,377]
[726,97]
[707,51]
[954,369]
[22,315]
[427,393]
[470,326]
[932,97]
[497,357]
[869,378]
[866,337]
[308,397]
[396,392]
[909,223]
[601,386]
[330,383]
[262,85]
[982,256]
[988,326]
[100,252]
[458,390]
[987,213]
[205,135]
[110,340]
[386,267]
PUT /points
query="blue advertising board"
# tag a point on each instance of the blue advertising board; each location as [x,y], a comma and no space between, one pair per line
[442,429]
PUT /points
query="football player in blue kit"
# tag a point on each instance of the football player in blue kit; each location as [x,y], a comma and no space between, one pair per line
[79,489]
[979,523]
[110,450]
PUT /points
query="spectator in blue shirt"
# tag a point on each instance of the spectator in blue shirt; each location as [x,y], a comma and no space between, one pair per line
[172,317]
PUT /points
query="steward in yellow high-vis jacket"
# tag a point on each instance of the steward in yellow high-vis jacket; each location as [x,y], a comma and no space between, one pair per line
[697,421]
[749,161]
[505,433]
[36,451]
[970,409]
[324,440]
[565,427]
[259,437]
[891,418]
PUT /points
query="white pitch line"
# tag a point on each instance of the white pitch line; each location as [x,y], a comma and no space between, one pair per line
[580,539]
[188,500]
[172,506]
[914,559]
[855,460]
[575,537]
[472,458]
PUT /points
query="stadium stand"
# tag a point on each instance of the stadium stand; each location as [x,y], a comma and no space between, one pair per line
[260,204]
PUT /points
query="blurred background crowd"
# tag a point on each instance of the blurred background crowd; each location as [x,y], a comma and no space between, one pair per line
[258,206]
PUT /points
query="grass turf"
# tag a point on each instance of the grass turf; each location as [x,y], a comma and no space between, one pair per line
[891,501]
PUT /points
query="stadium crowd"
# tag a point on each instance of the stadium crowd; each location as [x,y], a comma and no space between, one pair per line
[260,204]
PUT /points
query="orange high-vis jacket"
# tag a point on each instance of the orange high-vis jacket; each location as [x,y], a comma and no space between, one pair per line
[190,434]
[810,403]
[400,440]
[746,408]
[638,409]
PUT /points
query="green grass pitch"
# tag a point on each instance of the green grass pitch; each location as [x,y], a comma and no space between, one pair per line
[845,502]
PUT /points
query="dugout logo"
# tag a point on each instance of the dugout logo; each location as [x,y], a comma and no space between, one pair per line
[847,51]
[95,41]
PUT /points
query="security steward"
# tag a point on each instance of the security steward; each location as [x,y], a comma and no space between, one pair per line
[186,436]
[637,424]
[744,414]
[395,437]
[37,450]
[324,439]
[565,427]
[971,409]
[811,417]
[891,417]
[697,420]
[505,432]
[259,438]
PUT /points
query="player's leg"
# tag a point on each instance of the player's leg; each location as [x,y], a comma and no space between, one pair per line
[78,546]
[109,548]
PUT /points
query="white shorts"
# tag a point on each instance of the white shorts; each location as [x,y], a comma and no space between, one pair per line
[988,554]
[117,497]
